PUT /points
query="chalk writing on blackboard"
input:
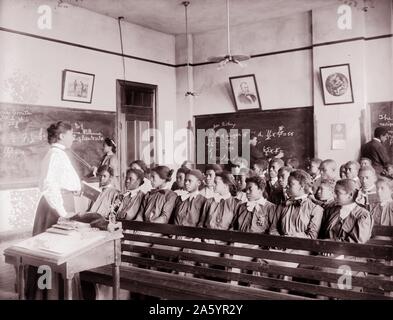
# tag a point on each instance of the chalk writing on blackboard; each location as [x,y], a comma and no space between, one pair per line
[286,131]
[23,139]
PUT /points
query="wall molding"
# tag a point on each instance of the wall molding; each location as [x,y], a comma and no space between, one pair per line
[254,56]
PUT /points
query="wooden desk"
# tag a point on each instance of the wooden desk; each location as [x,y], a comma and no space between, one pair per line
[98,249]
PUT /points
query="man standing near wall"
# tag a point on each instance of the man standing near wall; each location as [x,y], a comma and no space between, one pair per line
[376,151]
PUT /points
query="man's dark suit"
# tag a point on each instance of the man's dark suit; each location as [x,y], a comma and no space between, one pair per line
[376,152]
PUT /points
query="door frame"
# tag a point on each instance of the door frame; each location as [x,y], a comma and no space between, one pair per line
[121,126]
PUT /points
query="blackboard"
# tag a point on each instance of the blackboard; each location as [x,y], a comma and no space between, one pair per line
[381,115]
[23,139]
[290,130]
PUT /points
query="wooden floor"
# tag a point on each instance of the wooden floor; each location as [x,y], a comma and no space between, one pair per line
[7,272]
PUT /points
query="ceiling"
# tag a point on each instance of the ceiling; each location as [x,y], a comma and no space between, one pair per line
[168,15]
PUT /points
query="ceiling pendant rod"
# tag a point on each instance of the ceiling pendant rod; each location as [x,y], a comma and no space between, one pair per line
[186,3]
[189,92]
[228,33]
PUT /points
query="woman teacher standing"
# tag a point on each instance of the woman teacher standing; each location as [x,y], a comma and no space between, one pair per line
[110,160]
[58,183]
[58,179]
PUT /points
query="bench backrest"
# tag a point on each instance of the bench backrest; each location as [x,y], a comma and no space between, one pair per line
[171,248]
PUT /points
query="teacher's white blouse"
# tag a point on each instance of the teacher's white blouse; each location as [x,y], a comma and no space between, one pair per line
[57,174]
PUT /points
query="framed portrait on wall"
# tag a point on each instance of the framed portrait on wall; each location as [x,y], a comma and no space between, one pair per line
[245,92]
[336,84]
[77,86]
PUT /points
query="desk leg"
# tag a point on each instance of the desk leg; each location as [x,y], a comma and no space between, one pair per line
[116,269]
[116,282]
[68,289]
[21,281]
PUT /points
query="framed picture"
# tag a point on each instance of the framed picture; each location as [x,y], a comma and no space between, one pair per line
[77,86]
[336,84]
[245,92]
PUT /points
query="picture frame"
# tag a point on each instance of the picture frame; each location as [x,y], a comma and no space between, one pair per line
[77,86]
[245,92]
[336,84]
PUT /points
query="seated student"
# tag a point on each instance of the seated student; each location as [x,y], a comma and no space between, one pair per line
[158,204]
[292,163]
[131,200]
[312,168]
[141,165]
[365,162]
[210,173]
[104,202]
[328,169]
[346,220]
[240,179]
[298,216]
[325,193]
[253,216]
[218,211]
[352,171]
[188,206]
[367,194]
[388,171]
[343,172]
[280,195]
[382,211]
[178,185]
[272,184]
[260,168]
[256,214]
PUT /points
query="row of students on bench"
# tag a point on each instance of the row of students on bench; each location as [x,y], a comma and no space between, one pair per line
[285,204]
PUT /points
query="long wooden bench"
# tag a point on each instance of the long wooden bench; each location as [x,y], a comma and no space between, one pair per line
[176,267]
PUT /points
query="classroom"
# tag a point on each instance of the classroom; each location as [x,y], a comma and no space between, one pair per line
[215,149]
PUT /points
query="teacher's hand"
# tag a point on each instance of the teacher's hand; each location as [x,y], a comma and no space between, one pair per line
[94,171]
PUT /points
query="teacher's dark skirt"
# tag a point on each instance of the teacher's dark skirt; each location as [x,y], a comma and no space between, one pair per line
[45,218]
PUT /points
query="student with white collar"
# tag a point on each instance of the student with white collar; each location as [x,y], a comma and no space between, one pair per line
[218,212]
[103,204]
[189,205]
[256,214]
[312,167]
[352,171]
[131,200]
[367,194]
[178,186]
[298,216]
[210,173]
[141,165]
[382,211]
[158,204]
[272,184]
[346,221]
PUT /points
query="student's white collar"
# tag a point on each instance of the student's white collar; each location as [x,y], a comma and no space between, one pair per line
[218,197]
[252,204]
[189,195]
[346,210]
[107,186]
[379,140]
[58,145]
[132,193]
[304,196]
[273,180]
